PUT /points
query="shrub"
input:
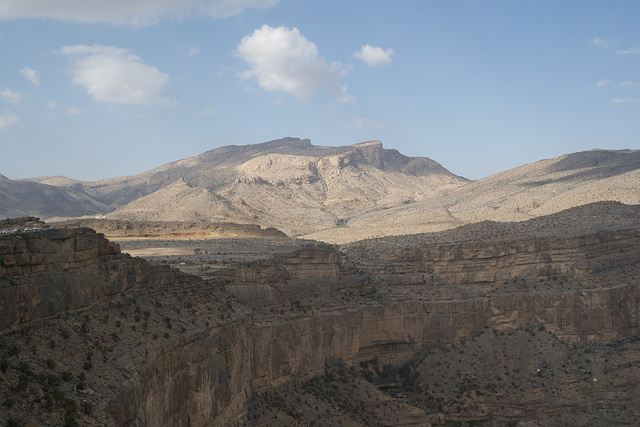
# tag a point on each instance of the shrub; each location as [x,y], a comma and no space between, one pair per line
[13,350]
[12,422]
[87,407]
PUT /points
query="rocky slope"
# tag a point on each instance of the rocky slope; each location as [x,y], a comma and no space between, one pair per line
[523,193]
[288,184]
[171,229]
[93,336]
[47,271]
[334,194]
[46,200]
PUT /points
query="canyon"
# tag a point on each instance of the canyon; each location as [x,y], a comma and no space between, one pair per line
[420,329]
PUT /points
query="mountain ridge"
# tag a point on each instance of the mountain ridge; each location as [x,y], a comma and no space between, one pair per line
[336,194]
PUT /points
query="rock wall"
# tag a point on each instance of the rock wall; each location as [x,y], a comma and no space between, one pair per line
[206,380]
[490,263]
[308,272]
[48,271]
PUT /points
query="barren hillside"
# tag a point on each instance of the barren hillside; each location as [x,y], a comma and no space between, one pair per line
[334,194]
[61,197]
[288,184]
[519,194]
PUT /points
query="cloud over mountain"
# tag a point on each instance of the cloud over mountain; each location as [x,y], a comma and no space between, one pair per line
[112,74]
[284,59]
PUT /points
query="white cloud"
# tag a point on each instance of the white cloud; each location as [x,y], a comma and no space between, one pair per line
[374,56]
[32,75]
[629,84]
[602,83]
[207,111]
[7,119]
[75,111]
[138,13]
[597,41]
[50,104]
[339,92]
[112,74]
[11,96]
[283,59]
[193,51]
[631,50]
[624,101]
[362,123]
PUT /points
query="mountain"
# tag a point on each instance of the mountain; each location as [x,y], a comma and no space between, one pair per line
[336,194]
[27,198]
[526,192]
[288,184]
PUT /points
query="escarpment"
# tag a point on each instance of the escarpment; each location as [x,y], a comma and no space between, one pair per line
[47,271]
[584,259]
[147,345]
[308,272]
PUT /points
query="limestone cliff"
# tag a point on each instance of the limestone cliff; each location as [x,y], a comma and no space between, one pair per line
[177,350]
[47,271]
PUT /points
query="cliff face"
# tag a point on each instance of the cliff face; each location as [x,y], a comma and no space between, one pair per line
[207,380]
[266,323]
[445,293]
[44,272]
[307,272]
[582,258]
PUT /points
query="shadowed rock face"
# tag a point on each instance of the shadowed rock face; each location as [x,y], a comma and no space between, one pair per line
[50,271]
[178,350]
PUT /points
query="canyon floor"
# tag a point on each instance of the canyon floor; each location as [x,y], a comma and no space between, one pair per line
[528,323]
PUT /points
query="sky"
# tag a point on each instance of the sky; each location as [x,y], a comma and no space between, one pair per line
[93,89]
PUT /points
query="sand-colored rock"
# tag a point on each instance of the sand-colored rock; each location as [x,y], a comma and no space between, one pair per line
[334,194]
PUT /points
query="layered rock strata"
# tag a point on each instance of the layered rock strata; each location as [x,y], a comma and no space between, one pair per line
[44,272]
[287,318]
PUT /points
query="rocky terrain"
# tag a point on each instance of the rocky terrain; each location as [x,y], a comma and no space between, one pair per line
[60,198]
[171,229]
[530,323]
[334,194]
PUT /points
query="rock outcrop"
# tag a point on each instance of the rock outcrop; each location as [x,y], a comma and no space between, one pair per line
[47,271]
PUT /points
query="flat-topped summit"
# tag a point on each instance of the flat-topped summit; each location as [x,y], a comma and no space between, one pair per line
[336,194]
[288,184]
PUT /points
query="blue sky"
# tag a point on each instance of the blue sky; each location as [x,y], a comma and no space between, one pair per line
[92,89]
